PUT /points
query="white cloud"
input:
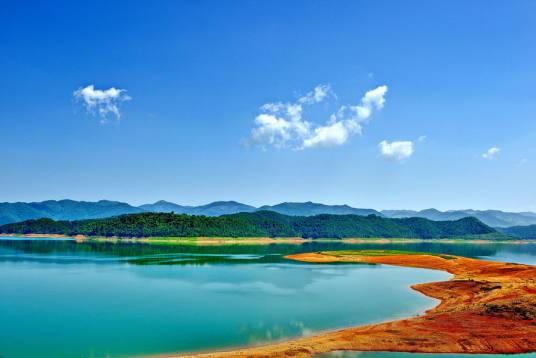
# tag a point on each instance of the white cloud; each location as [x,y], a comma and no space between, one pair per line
[102,102]
[281,125]
[491,153]
[271,130]
[330,135]
[375,97]
[397,151]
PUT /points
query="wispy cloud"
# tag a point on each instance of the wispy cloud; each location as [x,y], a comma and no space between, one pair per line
[397,150]
[102,102]
[491,153]
[282,125]
[319,93]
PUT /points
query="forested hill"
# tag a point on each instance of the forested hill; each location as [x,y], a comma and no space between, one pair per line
[257,224]
[523,232]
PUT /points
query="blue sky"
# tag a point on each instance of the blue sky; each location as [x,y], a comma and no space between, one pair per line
[461,74]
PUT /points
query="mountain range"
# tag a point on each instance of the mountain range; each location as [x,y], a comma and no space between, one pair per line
[79,210]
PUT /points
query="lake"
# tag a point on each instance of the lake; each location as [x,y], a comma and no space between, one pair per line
[60,298]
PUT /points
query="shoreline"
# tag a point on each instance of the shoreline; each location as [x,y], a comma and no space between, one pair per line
[257,240]
[485,308]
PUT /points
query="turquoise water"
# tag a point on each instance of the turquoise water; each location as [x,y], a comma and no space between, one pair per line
[63,299]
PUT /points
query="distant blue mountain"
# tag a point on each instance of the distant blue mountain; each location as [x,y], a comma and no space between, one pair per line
[527,232]
[216,208]
[79,210]
[493,218]
[64,210]
[310,209]
[163,206]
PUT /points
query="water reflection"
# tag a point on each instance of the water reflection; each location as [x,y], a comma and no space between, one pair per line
[148,254]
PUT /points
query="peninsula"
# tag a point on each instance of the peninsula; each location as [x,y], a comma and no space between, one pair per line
[486,307]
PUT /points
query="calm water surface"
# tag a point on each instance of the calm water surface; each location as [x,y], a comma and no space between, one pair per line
[63,299]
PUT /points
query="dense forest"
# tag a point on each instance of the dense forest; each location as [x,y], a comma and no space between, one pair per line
[256,224]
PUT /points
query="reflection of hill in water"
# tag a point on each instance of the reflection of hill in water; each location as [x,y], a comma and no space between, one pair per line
[192,254]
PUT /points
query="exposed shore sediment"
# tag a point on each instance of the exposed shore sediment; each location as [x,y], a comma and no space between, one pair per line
[487,307]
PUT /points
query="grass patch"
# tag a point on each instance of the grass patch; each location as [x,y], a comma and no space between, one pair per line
[383,253]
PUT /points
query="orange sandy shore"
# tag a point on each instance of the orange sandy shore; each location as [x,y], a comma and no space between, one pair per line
[487,307]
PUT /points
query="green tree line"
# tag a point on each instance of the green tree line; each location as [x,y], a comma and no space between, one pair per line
[255,224]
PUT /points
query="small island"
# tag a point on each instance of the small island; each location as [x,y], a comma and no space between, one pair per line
[486,307]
